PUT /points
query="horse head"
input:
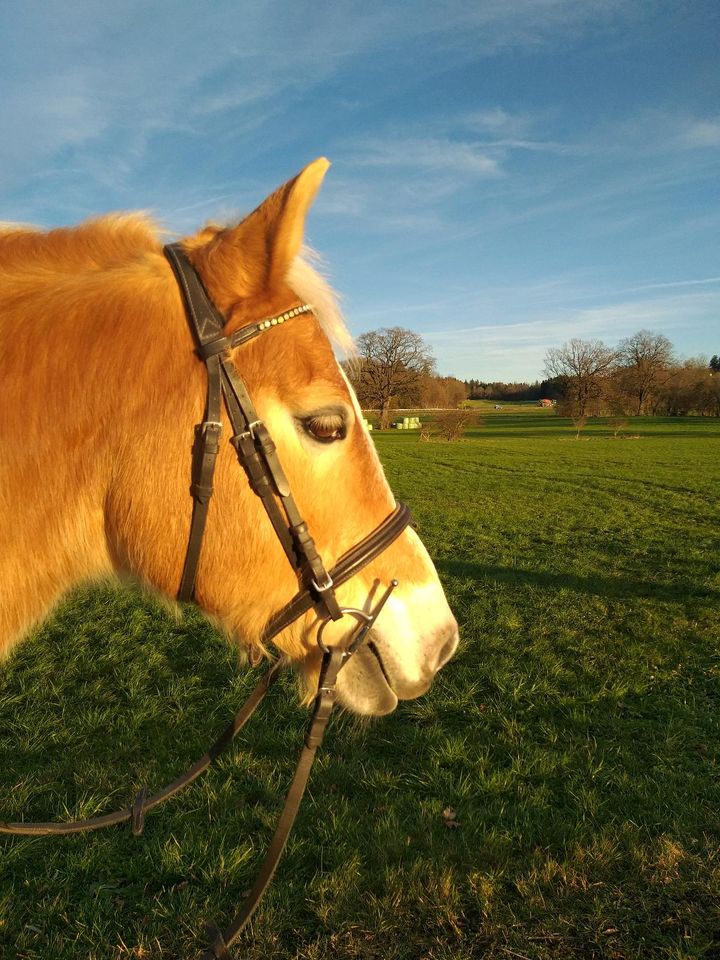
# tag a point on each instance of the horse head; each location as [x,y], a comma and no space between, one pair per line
[143,390]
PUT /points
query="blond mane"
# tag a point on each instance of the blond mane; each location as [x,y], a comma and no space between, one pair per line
[104,242]
[312,287]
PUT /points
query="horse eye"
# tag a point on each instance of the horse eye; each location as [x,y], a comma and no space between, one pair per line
[325,429]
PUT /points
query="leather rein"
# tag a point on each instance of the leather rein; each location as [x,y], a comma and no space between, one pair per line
[257,454]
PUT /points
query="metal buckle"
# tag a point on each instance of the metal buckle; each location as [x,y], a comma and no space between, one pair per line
[326,586]
[250,432]
[364,619]
[207,424]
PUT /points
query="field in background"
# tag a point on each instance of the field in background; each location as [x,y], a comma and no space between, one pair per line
[495,407]
[575,736]
[480,407]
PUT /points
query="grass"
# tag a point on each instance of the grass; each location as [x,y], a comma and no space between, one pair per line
[575,735]
[505,407]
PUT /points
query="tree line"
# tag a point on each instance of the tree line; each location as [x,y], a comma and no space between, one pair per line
[394,367]
[641,375]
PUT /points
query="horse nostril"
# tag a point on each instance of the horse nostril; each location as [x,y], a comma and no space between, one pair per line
[449,647]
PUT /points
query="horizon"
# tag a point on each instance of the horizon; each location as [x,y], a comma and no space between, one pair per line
[505,177]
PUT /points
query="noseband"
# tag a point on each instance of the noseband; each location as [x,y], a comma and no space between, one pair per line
[317,586]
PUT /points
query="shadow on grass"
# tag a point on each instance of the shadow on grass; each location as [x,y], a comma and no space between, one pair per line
[114,687]
[616,587]
[544,780]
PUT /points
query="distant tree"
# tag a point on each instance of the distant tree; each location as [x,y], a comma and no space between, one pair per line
[617,425]
[715,363]
[391,361]
[553,389]
[693,389]
[585,365]
[645,363]
[441,391]
[712,395]
[499,390]
[452,424]
[579,425]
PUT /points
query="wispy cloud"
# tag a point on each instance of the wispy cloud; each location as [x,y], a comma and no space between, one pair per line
[243,95]
[653,131]
[447,156]
[498,121]
[702,133]
[672,283]
[504,130]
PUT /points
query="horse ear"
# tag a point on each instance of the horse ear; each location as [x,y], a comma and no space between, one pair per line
[254,257]
[275,229]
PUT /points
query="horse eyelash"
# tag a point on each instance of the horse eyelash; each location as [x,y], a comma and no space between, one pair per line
[329,422]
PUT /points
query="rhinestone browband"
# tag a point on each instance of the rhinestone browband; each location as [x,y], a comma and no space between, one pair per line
[253,329]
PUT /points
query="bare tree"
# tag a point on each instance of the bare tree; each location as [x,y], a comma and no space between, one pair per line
[452,424]
[585,365]
[645,363]
[391,361]
[617,425]
[579,424]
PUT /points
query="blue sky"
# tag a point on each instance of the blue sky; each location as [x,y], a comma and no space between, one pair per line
[507,174]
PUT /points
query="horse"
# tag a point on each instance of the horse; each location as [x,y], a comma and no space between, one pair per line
[100,391]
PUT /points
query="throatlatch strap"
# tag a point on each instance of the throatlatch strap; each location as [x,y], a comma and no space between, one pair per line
[207,325]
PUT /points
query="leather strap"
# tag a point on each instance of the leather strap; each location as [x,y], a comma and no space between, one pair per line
[255,448]
[136,812]
[324,701]
[207,325]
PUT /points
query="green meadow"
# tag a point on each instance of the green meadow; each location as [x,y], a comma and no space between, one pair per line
[574,736]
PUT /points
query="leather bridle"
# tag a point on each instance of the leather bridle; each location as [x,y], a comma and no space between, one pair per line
[257,454]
